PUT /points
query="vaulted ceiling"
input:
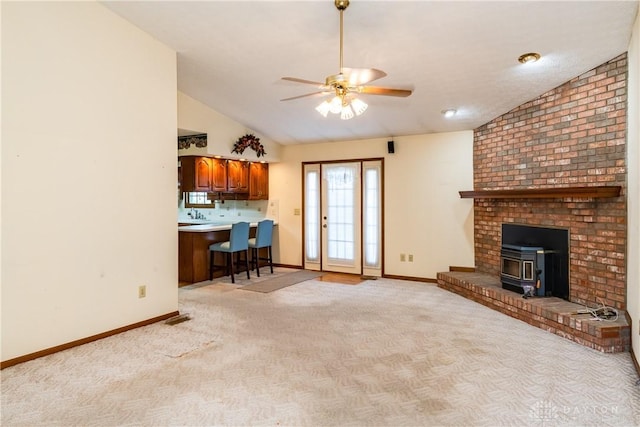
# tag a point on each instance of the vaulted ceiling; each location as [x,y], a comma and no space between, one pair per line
[452,54]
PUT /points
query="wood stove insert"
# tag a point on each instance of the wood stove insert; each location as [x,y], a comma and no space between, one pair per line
[534,260]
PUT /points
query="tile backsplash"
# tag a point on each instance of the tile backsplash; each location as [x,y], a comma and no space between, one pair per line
[232,210]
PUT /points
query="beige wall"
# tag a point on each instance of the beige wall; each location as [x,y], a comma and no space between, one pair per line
[633,186]
[424,214]
[88,174]
[221,132]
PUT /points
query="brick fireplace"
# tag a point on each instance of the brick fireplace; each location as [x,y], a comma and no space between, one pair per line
[570,137]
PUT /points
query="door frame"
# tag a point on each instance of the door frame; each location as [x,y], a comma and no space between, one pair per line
[329,227]
[382,207]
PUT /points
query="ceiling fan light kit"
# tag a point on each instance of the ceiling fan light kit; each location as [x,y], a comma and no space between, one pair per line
[347,109]
[359,106]
[346,113]
[349,81]
[335,106]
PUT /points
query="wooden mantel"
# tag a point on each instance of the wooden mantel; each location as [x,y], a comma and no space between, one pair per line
[590,192]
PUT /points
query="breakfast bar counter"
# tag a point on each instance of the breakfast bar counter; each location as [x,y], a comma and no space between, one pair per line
[193,249]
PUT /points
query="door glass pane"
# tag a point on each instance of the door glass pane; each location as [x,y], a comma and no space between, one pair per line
[371,217]
[341,181]
[312,216]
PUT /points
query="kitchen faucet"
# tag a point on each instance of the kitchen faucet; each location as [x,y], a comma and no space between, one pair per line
[194,214]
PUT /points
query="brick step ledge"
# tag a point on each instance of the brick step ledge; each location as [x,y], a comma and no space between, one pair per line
[551,314]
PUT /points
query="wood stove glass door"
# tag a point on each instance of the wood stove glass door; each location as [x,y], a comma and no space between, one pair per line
[511,267]
[527,270]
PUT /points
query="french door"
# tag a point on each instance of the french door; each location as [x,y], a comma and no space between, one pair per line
[342,217]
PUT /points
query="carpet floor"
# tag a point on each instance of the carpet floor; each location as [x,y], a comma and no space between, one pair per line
[383,353]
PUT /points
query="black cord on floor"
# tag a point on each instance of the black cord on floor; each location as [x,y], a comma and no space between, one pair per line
[604,312]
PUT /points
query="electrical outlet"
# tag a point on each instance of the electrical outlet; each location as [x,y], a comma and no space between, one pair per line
[142,291]
[403,257]
[296,211]
[410,257]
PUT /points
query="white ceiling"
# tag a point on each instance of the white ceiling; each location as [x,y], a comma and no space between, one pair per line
[453,54]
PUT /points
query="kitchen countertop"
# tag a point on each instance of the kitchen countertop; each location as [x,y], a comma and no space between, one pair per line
[198,221]
[213,226]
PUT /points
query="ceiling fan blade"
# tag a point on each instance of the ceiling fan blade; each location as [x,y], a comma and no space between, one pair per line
[305,95]
[297,80]
[361,76]
[374,90]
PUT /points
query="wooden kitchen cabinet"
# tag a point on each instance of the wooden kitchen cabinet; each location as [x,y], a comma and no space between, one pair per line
[196,173]
[203,174]
[259,181]
[218,175]
[237,176]
[211,175]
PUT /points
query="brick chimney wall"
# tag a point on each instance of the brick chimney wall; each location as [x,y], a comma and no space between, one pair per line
[573,135]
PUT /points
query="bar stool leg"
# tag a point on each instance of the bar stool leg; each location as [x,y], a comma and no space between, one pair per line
[233,280]
[246,261]
[256,259]
[211,265]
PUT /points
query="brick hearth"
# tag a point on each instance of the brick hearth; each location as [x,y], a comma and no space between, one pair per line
[552,314]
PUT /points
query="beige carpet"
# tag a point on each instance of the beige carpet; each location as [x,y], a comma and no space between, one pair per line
[383,353]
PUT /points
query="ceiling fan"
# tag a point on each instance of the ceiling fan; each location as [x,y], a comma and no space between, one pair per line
[346,84]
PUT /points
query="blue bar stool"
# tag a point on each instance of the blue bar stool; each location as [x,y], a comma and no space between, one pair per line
[238,242]
[264,235]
